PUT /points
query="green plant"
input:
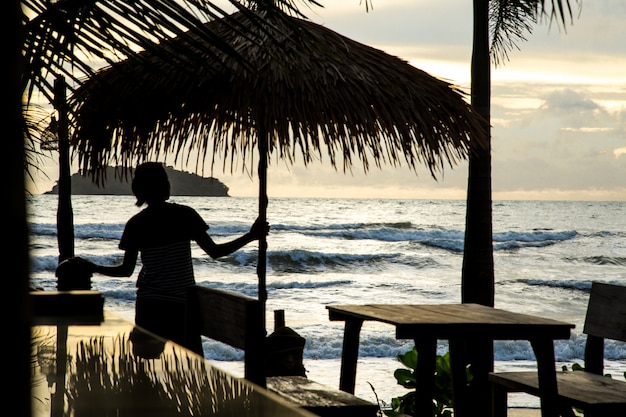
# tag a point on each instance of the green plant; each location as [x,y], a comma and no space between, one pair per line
[442,393]
[578,367]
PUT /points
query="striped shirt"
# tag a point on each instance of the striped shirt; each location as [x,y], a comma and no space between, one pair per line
[162,234]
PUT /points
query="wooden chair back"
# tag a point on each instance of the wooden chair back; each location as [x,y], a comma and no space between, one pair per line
[234,319]
[605,319]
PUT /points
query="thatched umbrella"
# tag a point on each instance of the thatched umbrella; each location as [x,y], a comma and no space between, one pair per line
[305,88]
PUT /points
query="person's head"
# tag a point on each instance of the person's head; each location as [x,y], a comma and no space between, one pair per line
[150,183]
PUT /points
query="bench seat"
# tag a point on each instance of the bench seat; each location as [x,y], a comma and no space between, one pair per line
[597,394]
[589,389]
[320,399]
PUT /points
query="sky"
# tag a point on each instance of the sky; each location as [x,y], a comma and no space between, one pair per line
[558,106]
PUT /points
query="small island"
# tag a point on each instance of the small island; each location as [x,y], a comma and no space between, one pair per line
[183,184]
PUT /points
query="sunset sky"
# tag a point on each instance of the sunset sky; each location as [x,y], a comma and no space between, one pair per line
[558,106]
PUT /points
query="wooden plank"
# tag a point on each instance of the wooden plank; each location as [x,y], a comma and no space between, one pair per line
[606,313]
[439,314]
[442,320]
[233,319]
[578,387]
[224,316]
[320,399]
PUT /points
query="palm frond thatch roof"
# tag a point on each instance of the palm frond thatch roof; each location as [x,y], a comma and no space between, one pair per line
[308,90]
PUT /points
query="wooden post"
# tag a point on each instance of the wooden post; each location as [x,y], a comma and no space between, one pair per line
[279,319]
[263,138]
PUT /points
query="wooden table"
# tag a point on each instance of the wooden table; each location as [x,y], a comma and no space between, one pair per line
[464,326]
[100,364]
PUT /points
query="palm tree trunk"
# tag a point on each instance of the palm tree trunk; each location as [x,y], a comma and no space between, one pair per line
[65,215]
[477,282]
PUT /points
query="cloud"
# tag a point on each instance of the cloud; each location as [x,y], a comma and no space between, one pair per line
[568,100]
[558,106]
[569,142]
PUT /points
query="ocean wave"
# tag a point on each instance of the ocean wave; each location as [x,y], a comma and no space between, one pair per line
[287,285]
[48,263]
[452,241]
[105,231]
[608,234]
[319,347]
[601,260]
[305,261]
[325,345]
[342,226]
[448,239]
[579,285]
[534,239]
[43,229]
[44,263]
[433,236]
[250,289]
[312,262]
[113,231]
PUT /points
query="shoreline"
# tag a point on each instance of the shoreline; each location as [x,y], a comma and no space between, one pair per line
[523,412]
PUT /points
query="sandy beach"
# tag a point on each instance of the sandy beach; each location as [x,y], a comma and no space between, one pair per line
[524,412]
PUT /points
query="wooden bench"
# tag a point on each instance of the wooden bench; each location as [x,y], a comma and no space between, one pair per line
[588,389]
[237,320]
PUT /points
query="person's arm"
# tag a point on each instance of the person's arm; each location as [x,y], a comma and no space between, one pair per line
[217,250]
[125,269]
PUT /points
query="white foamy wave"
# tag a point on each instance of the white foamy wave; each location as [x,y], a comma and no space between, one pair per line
[536,238]
[614,350]
[306,261]
[49,263]
[281,285]
[44,263]
[582,284]
[122,294]
[106,231]
[214,350]
[43,229]
[450,239]
[386,346]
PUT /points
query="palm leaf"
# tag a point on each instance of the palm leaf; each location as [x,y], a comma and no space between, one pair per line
[511,20]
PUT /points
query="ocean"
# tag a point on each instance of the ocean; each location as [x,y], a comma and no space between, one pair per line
[351,251]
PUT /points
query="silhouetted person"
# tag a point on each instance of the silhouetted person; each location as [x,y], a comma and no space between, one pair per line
[162,234]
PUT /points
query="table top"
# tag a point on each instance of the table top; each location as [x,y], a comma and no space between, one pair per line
[445,321]
[112,367]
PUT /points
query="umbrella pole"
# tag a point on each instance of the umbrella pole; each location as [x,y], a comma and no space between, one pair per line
[262,261]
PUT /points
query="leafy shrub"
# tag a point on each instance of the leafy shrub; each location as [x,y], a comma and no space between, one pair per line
[442,393]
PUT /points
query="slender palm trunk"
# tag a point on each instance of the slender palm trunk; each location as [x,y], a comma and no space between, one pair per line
[477,282]
[478,275]
[65,214]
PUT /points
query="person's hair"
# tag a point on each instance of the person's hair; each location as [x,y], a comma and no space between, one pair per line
[150,183]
